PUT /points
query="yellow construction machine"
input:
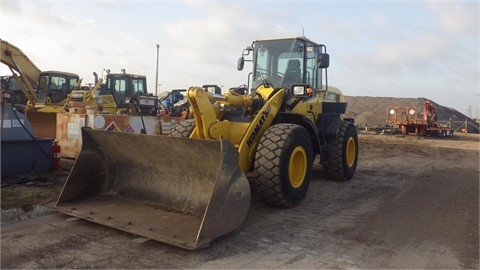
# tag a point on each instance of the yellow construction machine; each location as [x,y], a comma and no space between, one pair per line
[130,94]
[193,186]
[46,92]
[122,93]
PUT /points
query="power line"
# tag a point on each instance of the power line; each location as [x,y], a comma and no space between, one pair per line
[469,111]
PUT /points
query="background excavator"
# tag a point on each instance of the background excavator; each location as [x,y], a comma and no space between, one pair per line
[265,137]
[45,92]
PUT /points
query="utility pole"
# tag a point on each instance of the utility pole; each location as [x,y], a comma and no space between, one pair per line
[156,72]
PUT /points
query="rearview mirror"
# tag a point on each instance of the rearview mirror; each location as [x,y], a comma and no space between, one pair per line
[240,63]
[323,60]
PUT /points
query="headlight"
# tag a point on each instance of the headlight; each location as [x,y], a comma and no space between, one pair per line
[299,90]
[411,112]
[392,111]
[147,102]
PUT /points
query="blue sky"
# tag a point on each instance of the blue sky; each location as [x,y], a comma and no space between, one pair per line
[378,48]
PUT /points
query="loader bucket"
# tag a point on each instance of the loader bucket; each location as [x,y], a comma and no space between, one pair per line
[180,191]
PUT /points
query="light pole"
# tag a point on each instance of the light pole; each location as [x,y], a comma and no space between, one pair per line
[156,72]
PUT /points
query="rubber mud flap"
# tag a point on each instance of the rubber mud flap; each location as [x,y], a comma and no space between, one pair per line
[180,191]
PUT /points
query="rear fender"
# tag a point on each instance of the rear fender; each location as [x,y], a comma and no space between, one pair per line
[329,120]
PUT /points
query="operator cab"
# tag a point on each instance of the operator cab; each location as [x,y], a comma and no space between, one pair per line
[54,87]
[123,86]
[282,63]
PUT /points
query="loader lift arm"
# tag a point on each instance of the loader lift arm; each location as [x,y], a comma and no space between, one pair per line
[240,119]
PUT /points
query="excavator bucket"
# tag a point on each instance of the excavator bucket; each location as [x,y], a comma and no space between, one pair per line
[180,191]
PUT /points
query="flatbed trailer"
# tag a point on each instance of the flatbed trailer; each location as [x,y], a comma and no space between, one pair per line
[412,120]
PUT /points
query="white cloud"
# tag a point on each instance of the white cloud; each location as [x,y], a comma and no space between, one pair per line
[380,20]
[426,50]
[373,51]
[457,17]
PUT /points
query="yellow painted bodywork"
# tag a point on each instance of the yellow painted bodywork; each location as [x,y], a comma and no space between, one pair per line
[245,136]
[350,153]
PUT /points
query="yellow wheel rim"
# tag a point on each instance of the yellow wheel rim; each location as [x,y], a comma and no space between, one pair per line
[351,151]
[297,167]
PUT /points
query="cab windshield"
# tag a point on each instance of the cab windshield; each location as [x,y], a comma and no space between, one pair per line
[280,63]
[123,87]
[56,87]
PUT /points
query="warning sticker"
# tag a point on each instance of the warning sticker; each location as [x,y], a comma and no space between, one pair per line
[128,129]
[15,123]
[113,127]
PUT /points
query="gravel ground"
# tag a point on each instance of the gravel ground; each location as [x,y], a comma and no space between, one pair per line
[413,203]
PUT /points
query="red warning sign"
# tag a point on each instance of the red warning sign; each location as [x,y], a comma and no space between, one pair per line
[113,127]
[128,129]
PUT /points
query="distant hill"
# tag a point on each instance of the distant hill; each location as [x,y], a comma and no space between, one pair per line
[372,111]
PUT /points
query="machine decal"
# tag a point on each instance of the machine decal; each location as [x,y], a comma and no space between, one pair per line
[258,127]
[99,121]
[7,123]
[73,130]
[128,129]
[15,123]
[113,127]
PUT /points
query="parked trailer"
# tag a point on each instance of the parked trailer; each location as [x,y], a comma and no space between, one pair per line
[421,122]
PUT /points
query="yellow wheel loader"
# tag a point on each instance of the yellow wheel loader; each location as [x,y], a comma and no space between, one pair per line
[191,187]
[116,96]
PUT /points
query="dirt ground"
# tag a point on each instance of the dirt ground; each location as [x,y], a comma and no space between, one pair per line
[413,203]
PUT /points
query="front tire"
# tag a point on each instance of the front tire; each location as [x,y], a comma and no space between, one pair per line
[183,129]
[342,153]
[283,165]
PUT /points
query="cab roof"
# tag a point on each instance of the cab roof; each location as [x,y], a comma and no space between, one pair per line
[303,38]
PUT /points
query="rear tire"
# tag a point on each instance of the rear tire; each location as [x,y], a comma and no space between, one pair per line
[342,153]
[283,165]
[183,129]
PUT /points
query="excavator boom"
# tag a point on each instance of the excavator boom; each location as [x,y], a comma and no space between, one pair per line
[15,59]
[18,62]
